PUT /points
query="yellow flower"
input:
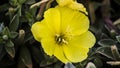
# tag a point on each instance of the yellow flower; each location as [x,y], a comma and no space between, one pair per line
[72,4]
[64,33]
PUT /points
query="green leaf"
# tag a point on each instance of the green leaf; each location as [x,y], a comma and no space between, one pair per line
[9,43]
[69,65]
[4,7]
[30,2]
[117,1]
[98,62]
[1,41]
[106,42]
[2,52]
[31,15]
[26,57]
[6,31]
[14,23]
[9,46]
[1,27]
[20,10]
[13,2]
[105,51]
[21,64]
[13,35]
[118,38]
[48,61]
[37,54]
[10,51]
[21,1]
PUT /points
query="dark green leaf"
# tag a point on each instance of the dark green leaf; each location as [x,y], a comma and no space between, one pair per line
[69,65]
[14,23]
[118,38]
[21,1]
[117,1]
[9,43]
[13,2]
[98,62]
[26,57]
[1,27]
[106,42]
[6,31]
[2,52]
[1,40]
[106,51]
[13,35]
[19,10]
[37,54]
[10,51]
[48,61]
[31,15]
[4,7]
[21,64]
[58,65]
[30,2]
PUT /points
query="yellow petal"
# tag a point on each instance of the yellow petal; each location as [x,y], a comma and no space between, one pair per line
[60,54]
[72,4]
[78,47]
[78,6]
[64,2]
[75,53]
[52,18]
[87,40]
[49,45]
[40,30]
[73,21]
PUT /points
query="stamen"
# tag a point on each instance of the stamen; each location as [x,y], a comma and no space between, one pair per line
[64,41]
[60,39]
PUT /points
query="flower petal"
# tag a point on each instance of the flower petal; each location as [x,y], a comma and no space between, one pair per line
[78,6]
[72,4]
[49,45]
[60,54]
[64,2]
[87,40]
[52,18]
[78,47]
[40,30]
[73,21]
[75,53]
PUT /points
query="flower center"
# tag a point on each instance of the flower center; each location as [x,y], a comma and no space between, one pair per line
[61,39]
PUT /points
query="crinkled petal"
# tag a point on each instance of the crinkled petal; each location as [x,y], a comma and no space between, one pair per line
[87,40]
[49,45]
[40,30]
[72,4]
[78,6]
[75,53]
[73,21]
[64,2]
[60,54]
[52,18]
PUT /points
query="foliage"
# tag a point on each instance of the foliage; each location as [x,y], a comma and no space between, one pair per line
[18,49]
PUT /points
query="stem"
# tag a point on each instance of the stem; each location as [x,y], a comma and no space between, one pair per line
[40,13]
